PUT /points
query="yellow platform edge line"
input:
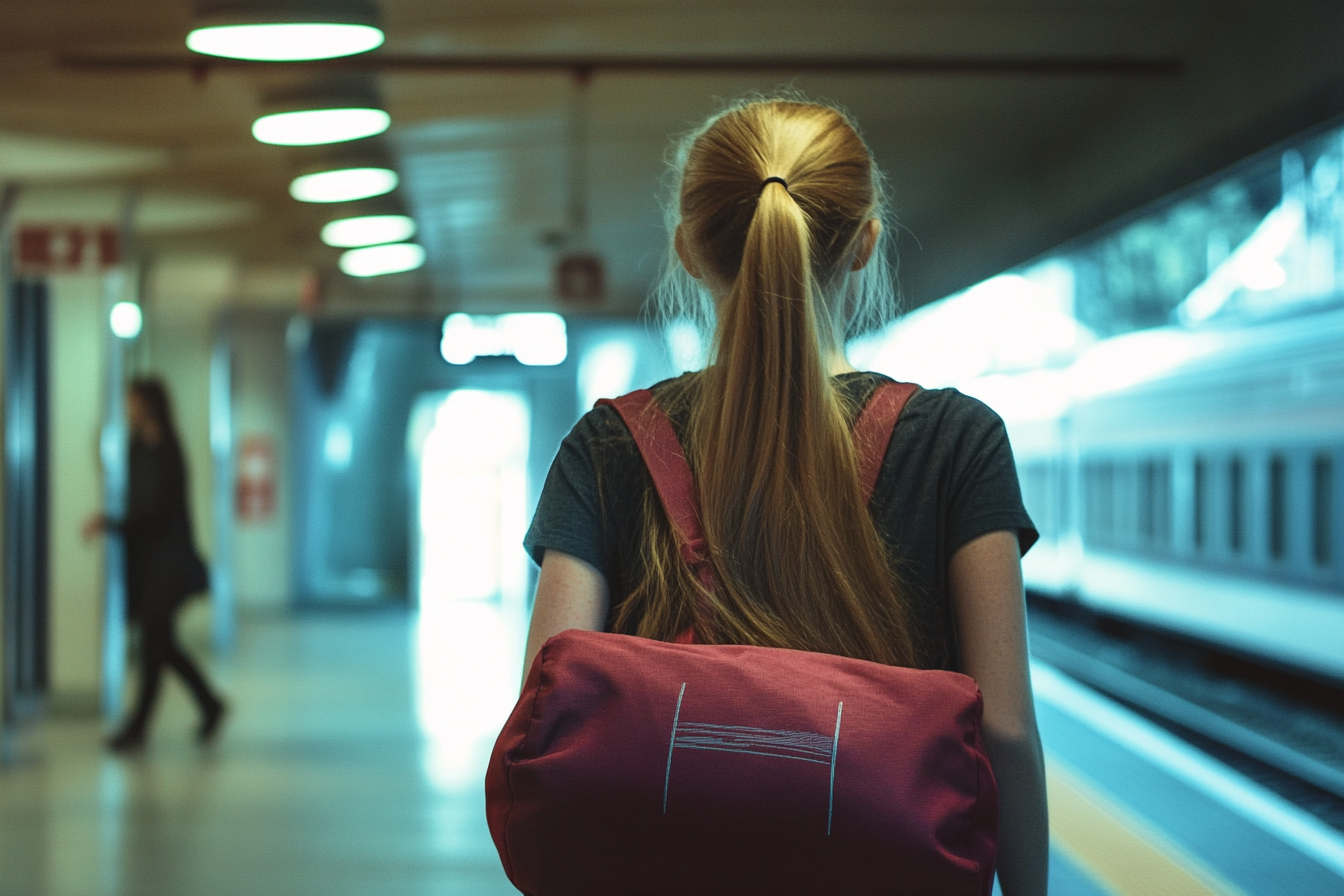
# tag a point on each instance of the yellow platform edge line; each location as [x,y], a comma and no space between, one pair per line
[1121,851]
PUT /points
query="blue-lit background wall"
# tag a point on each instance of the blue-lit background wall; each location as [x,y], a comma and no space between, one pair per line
[355,384]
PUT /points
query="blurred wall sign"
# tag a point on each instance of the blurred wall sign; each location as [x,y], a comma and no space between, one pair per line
[65,248]
[579,278]
[254,485]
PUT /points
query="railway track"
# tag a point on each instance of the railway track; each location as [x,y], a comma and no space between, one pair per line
[1286,735]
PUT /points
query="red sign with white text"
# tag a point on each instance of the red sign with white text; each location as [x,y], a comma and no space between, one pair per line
[254,485]
[65,248]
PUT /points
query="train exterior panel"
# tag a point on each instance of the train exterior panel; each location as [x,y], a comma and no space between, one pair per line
[1193,484]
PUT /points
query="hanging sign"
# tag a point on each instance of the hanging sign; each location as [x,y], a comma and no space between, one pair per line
[65,248]
[254,484]
[579,279]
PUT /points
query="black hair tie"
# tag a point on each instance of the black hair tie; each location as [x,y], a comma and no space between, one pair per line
[775,180]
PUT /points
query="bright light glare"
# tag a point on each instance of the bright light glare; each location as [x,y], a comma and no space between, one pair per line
[374,261]
[289,42]
[606,371]
[1253,265]
[1005,324]
[473,499]
[1024,397]
[311,127]
[685,345]
[467,656]
[339,445]
[369,230]
[126,320]
[1124,361]
[536,339]
[1262,274]
[344,185]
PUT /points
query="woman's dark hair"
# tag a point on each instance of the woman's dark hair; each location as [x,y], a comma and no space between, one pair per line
[153,395]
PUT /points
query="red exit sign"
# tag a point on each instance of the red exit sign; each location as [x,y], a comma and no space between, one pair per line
[65,248]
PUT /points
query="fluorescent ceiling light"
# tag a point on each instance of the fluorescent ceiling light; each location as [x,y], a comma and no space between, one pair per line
[311,127]
[285,41]
[126,320]
[344,185]
[373,261]
[369,230]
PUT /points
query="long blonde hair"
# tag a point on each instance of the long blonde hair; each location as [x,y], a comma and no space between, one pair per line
[796,557]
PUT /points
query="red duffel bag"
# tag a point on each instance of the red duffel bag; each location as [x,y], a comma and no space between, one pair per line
[635,767]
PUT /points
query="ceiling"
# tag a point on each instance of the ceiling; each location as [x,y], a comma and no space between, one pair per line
[994,153]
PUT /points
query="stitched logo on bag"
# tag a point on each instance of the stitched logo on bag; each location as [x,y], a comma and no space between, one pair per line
[803,746]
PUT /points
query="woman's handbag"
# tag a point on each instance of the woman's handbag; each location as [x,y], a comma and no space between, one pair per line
[632,766]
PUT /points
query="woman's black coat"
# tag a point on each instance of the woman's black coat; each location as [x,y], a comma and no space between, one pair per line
[162,565]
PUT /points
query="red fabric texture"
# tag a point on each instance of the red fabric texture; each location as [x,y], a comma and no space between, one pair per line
[576,785]
[632,766]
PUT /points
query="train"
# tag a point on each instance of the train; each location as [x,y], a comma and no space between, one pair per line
[1186,478]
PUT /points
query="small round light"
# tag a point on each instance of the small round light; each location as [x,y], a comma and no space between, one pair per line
[369,230]
[311,127]
[126,320]
[373,261]
[285,42]
[344,185]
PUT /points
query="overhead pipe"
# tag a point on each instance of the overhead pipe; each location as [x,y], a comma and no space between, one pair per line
[579,66]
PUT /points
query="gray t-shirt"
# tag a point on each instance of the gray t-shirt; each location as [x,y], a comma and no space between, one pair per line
[948,478]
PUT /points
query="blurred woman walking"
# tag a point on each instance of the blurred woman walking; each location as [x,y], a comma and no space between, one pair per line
[163,567]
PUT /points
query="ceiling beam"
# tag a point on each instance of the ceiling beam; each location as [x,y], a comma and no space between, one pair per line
[979,66]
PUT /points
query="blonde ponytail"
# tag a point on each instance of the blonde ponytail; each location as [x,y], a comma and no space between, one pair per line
[773,199]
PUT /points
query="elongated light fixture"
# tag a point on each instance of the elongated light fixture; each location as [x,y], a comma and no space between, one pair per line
[311,127]
[285,30]
[343,185]
[374,261]
[368,230]
[331,109]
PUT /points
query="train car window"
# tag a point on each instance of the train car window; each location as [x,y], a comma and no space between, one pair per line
[1099,496]
[1235,497]
[1322,489]
[1147,495]
[1101,502]
[1201,486]
[1065,508]
[1036,496]
[1124,494]
[1161,502]
[1278,497]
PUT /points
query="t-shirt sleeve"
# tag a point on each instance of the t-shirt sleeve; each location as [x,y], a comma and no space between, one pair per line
[569,513]
[985,494]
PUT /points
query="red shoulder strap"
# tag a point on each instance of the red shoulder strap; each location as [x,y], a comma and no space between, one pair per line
[672,479]
[671,474]
[873,429]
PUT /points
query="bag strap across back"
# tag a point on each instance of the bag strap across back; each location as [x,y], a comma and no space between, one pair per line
[671,473]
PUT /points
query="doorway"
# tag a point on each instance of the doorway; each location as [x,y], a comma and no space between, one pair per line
[470,451]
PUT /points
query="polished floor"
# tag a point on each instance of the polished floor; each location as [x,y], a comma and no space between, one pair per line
[352,764]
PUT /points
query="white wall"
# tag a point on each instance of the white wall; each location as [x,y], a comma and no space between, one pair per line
[77,377]
[261,549]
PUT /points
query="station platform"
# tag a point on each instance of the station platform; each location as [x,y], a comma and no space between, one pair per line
[353,759]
